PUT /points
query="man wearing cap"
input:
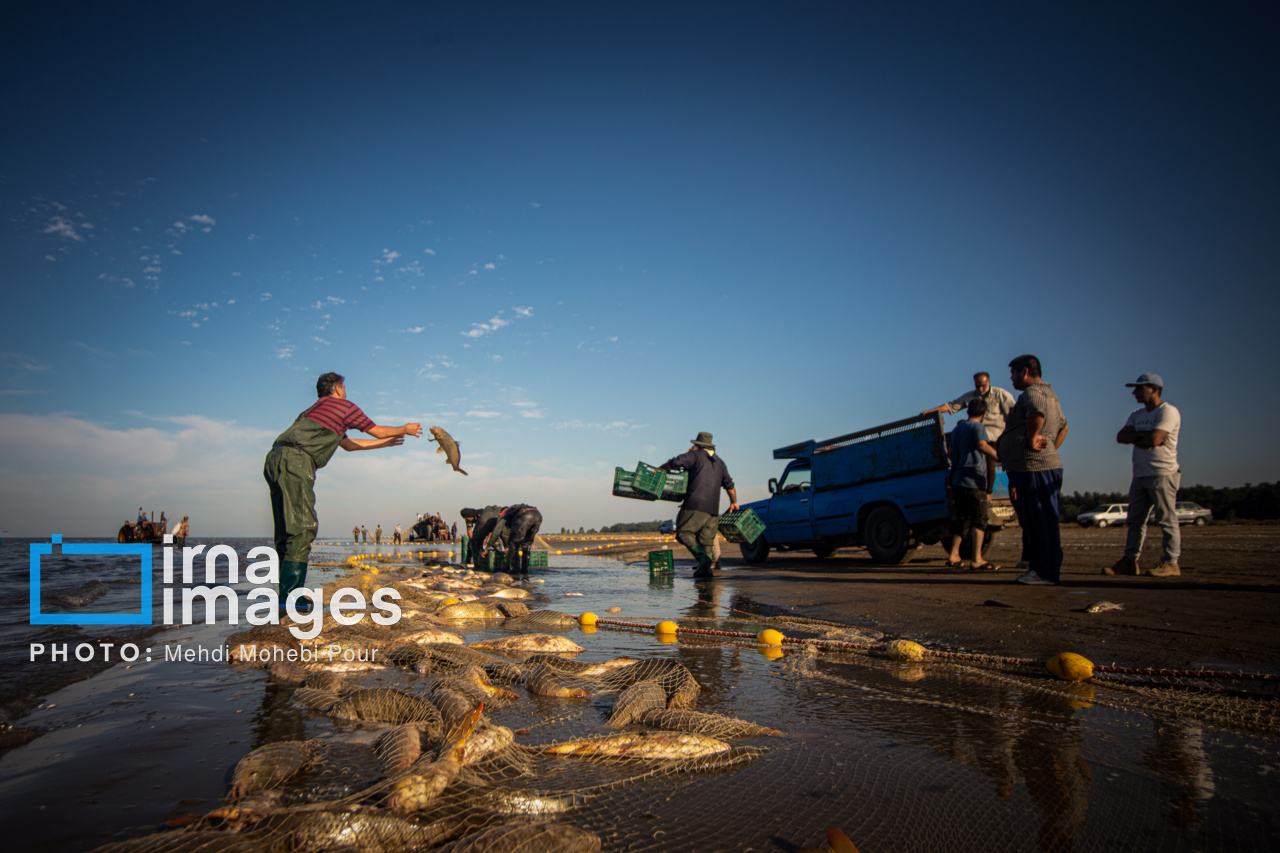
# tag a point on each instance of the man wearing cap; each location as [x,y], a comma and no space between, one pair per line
[482,524]
[697,523]
[1153,432]
[291,464]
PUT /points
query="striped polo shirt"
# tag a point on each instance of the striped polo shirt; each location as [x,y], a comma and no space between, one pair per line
[338,415]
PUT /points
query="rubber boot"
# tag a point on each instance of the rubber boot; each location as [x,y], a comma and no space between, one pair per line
[704,563]
[293,574]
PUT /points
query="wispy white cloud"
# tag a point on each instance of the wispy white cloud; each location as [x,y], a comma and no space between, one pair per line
[414,330]
[482,413]
[263,297]
[22,361]
[479,330]
[284,352]
[618,427]
[429,251]
[64,228]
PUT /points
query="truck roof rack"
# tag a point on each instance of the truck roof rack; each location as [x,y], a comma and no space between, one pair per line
[795,451]
[807,448]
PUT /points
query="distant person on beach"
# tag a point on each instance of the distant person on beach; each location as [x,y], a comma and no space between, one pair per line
[291,464]
[181,531]
[453,532]
[364,532]
[971,456]
[697,523]
[377,535]
[355,535]
[395,537]
[1152,429]
[1028,447]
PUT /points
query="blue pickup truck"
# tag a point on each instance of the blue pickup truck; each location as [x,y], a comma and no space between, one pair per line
[884,488]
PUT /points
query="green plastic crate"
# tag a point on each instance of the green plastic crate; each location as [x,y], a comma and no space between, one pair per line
[649,481]
[741,526]
[661,561]
[676,486]
[623,486]
[537,559]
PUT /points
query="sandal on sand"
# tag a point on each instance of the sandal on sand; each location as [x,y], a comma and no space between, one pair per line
[958,564]
[985,567]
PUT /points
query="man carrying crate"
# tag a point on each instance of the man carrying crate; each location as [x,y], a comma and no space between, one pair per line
[698,521]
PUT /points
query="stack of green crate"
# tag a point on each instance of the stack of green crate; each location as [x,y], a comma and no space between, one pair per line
[741,526]
[646,483]
[649,481]
[537,559]
[676,486]
[622,485]
[661,561]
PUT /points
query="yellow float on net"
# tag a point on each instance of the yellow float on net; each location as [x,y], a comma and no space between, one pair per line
[770,637]
[587,619]
[663,628]
[1069,666]
[772,652]
[906,650]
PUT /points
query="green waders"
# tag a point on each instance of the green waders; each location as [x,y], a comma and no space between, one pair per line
[290,472]
[697,532]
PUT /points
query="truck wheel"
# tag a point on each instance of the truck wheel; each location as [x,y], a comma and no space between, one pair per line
[755,552]
[824,551]
[887,537]
[1200,521]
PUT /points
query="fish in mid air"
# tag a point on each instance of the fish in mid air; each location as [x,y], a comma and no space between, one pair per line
[448,447]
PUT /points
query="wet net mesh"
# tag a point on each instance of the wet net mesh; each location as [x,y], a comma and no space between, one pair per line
[514,744]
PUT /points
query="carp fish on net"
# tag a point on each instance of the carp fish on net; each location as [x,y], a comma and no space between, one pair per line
[427,743]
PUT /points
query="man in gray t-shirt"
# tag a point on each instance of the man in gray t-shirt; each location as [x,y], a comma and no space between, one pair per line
[1034,430]
[1153,430]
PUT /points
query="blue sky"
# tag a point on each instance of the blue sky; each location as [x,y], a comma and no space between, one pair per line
[575,235]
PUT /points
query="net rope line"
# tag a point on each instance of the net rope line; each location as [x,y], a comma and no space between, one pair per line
[970,657]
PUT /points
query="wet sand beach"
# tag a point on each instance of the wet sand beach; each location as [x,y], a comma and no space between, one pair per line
[1224,610]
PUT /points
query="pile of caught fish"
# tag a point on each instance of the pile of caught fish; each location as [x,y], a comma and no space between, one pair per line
[435,744]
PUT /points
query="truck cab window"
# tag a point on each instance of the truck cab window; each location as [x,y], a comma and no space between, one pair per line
[796,480]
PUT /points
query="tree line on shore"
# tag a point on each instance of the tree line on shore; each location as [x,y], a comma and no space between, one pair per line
[1250,502]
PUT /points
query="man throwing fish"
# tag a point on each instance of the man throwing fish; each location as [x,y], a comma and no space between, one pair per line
[698,521]
[290,471]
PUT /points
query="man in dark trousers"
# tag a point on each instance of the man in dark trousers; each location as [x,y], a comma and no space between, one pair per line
[519,525]
[481,524]
[697,523]
[290,470]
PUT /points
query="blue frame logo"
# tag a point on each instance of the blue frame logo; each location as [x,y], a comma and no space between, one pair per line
[39,548]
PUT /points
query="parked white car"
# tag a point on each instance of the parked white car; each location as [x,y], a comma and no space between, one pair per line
[1192,513]
[1104,516]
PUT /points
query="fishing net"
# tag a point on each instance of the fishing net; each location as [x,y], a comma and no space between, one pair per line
[517,744]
